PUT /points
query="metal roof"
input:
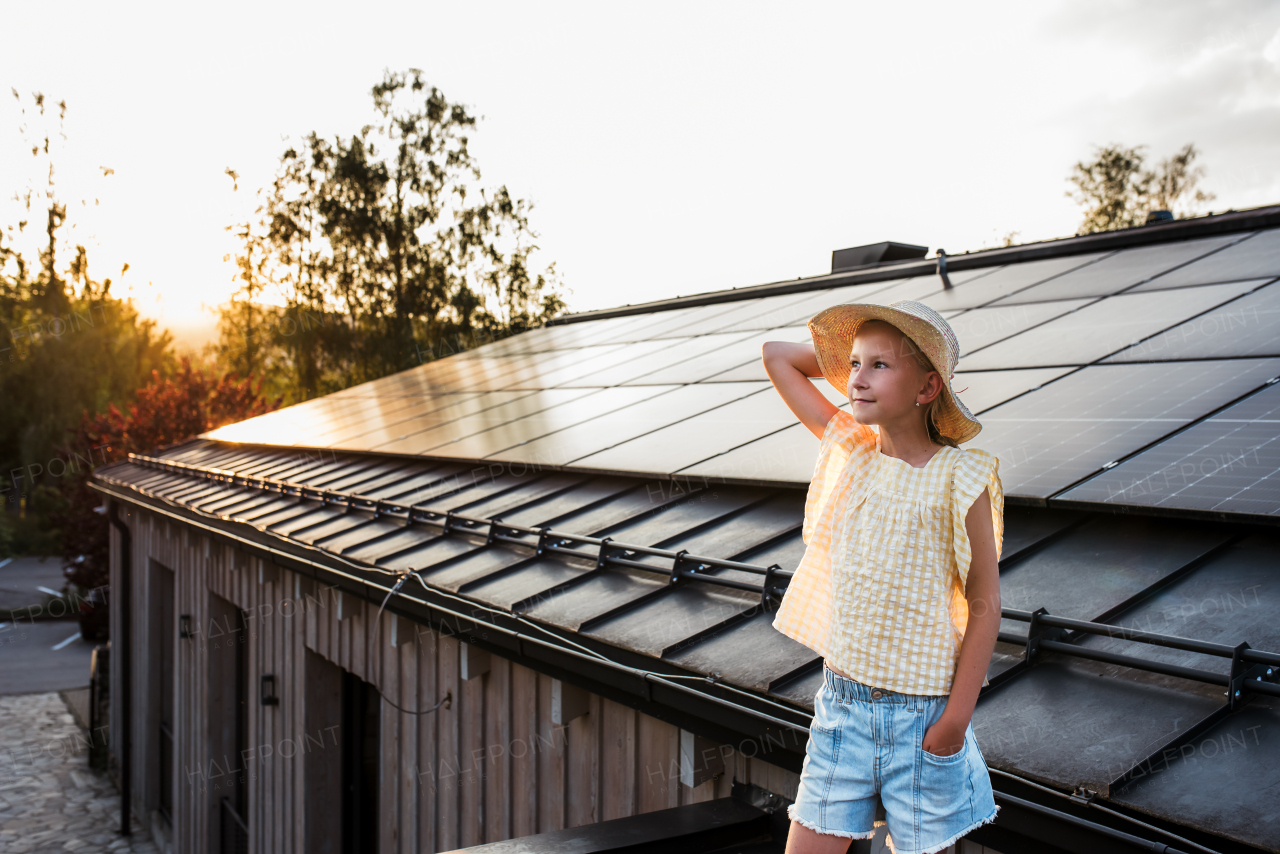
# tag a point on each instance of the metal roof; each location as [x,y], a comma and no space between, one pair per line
[625,491]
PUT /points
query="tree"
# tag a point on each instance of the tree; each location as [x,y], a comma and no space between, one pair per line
[68,345]
[379,246]
[167,410]
[1117,192]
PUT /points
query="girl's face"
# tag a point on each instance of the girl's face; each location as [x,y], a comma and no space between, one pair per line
[885,380]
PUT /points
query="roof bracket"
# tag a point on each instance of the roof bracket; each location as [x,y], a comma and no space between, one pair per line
[677,567]
[1242,672]
[495,528]
[1036,633]
[602,559]
[767,589]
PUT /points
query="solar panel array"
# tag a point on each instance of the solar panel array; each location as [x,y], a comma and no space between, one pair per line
[1229,463]
[1073,363]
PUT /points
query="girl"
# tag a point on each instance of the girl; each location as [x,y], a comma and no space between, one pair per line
[899,588]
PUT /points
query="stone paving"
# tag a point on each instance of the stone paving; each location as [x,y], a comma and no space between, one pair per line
[49,798]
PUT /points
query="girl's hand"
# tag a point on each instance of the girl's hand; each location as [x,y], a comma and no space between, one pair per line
[945,737]
[789,367]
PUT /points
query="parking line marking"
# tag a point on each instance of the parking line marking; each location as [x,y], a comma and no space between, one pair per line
[67,641]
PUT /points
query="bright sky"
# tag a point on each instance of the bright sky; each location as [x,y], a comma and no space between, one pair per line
[670,148]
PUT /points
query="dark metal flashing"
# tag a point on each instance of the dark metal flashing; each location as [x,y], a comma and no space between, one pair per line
[622,676]
[1108,241]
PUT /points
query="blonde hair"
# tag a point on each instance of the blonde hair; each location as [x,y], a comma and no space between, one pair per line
[932,407]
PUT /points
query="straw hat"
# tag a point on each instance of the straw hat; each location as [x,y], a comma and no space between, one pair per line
[833,330]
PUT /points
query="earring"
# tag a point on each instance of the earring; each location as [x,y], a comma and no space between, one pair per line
[917,403]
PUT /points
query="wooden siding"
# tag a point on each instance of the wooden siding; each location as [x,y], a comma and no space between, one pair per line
[489,767]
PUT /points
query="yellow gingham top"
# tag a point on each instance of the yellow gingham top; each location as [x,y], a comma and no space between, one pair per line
[880,590]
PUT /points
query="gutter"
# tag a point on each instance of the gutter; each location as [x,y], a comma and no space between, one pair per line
[126,666]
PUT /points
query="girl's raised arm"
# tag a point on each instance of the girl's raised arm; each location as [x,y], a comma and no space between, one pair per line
[789,367]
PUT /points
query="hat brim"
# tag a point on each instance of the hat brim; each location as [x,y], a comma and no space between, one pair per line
[833,330]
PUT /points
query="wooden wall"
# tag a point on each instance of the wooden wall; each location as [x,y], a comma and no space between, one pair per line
[491,766]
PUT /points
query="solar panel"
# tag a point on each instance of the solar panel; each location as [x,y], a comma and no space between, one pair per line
[529,374]
[761,310]
[717,361]
[1051,438]
[593,332]
[814,301]
[512,434]
[981,327]
[434,436]
[981,390]
[376,434]
[1248,326]
[1227,463]
[914,288]
[678,350]
[1124,269]
[753,369]
[636,351]
[1255,257]
[290,426]
[1100,328]
[700,321]
[647,324]
[695,439]
[788,455]
[378,410]
[433,408]
[1006,280]
[599,433]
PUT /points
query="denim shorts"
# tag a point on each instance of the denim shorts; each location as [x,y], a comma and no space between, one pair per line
[865,749]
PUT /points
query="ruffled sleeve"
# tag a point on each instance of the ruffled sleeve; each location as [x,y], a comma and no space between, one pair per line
[841,439]
[975,471]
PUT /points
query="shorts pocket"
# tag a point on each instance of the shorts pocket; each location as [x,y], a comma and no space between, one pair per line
[946,785]
[958,756]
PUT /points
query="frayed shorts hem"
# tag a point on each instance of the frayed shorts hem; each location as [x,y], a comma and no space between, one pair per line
[792,814]
[933,849]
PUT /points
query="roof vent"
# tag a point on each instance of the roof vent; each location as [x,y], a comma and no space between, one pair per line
[875,253]
[1158,216]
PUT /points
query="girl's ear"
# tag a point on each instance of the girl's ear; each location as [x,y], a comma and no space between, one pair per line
[932,387]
